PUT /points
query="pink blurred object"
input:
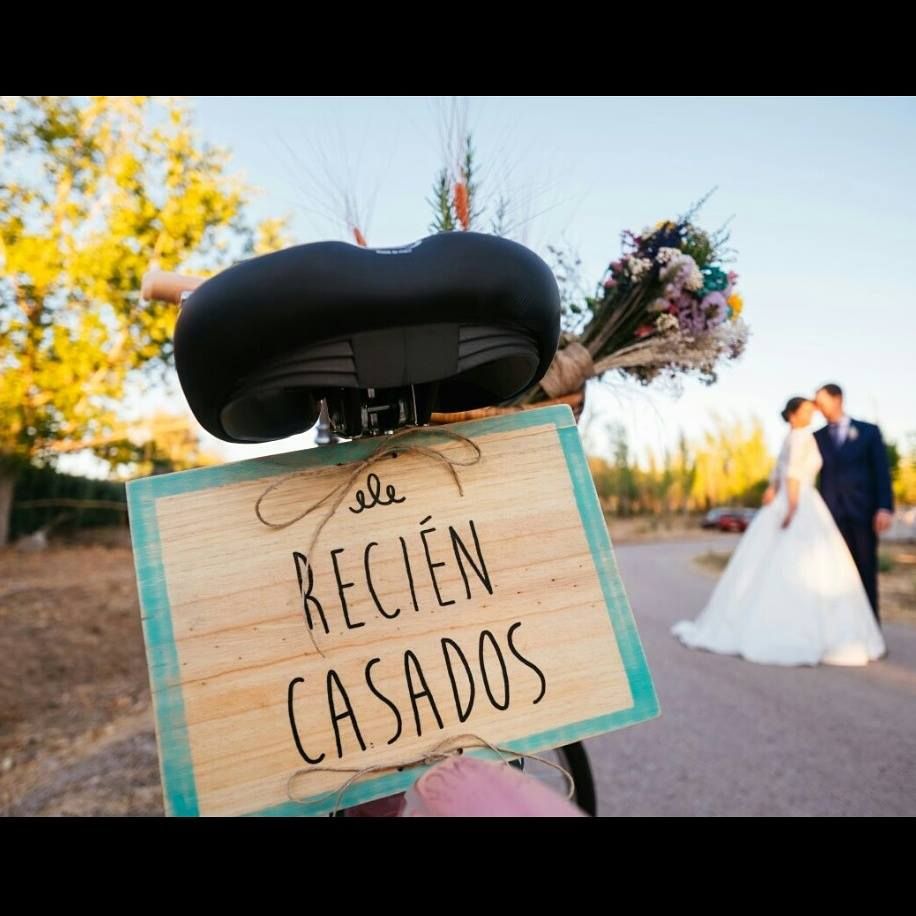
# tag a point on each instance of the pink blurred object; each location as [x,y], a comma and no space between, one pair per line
[469,787]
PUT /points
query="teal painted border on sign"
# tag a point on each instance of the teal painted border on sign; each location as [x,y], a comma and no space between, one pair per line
[174,749]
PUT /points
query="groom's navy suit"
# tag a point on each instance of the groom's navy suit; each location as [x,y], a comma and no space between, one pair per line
[855,483]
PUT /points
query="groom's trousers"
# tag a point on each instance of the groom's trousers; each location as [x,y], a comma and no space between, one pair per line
[863,545]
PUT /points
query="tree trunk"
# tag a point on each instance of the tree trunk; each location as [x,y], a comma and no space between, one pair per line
[7,482]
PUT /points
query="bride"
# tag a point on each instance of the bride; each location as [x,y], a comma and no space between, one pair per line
[791,594]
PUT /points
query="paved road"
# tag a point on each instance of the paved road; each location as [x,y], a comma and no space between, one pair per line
[736,738]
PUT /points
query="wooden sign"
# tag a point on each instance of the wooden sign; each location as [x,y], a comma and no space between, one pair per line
[421,615]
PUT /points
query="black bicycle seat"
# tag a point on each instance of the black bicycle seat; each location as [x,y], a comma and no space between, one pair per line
[452,322]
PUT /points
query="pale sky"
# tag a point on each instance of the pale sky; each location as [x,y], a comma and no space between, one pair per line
[822,195]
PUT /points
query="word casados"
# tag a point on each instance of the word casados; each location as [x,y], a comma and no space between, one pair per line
[488,668]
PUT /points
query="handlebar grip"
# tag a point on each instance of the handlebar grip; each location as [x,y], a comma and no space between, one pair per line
[167,287]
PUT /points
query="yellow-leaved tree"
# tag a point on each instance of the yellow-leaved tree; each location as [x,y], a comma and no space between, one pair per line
[93,192]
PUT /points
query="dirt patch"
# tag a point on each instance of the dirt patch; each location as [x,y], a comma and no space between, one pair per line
[649,529]
[713,561]
[897,583]
[76,731]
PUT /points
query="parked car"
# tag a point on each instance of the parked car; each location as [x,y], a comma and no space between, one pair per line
[728,519]
[736,520]
[711,519]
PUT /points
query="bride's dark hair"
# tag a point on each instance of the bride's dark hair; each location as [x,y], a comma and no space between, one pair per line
[791,406]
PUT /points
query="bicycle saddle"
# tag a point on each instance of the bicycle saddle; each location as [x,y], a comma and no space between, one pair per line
[452,322]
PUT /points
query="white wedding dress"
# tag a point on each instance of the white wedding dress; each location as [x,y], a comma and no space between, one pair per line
[790,596]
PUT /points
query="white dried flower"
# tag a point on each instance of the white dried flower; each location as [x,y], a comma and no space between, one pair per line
[666,324]
[637,267]
[694,279]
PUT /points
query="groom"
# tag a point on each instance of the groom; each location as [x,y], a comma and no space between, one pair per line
[855,483]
